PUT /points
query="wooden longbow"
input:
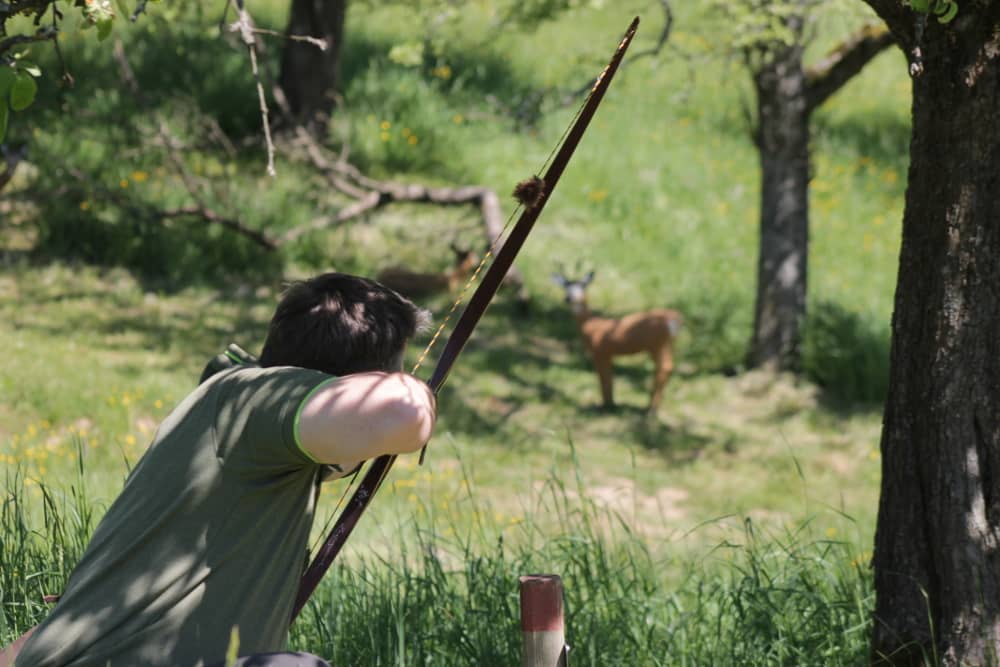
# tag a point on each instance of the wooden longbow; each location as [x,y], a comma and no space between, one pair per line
[533,194]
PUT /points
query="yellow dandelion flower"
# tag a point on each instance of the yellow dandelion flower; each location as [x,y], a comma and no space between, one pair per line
[412,140]
[831,532]
[385,125]
[126,399]
[384,136]
[129,439]
[32,431]
[597,195]
[139,176]
[123,183]
[458,119]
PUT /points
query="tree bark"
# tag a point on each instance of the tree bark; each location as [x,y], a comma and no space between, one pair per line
[782,137]
[786,96]
[936,562]
[310,77]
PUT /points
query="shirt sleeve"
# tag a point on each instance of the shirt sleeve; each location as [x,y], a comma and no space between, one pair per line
[258,416]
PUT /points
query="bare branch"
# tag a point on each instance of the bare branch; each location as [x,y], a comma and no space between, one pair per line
[209,215]
[244,25]
[11,159]
[370,194]
[147,212]
[661,41]
[128,75]
[66,76]
[320,44]
[140,9]
[41,35]
[827,76]
[900,19]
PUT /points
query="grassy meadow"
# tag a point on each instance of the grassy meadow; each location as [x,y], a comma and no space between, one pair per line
[735,528]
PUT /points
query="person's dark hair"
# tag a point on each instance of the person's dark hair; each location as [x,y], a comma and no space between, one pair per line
[340,324]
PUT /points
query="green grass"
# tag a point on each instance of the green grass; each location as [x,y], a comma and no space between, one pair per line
[660,200]
[449,594]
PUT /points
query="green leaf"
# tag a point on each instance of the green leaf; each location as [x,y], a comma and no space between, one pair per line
[104,29]
[922,6]
[949,13]
[3,119]
[22,93]
[7,78]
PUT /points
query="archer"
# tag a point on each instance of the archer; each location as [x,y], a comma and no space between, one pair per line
[211,528]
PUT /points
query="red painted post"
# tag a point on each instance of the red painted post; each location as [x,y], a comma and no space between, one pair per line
[542,625]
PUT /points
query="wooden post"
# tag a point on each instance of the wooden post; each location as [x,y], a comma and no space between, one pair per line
[542,621]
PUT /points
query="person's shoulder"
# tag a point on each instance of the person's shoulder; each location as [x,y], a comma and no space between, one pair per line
[256,374]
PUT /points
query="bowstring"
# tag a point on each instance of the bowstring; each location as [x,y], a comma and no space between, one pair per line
[490,252]
[493,244]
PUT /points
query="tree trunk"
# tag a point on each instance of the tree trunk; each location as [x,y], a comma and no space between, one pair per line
[783,141]
[310,77]
[937,564]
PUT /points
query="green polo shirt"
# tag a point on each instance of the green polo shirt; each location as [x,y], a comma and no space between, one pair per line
[209,533]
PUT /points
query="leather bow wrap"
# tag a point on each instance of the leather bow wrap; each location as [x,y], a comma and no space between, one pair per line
[540,191]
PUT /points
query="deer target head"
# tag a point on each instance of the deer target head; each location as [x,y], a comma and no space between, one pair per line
[574,291]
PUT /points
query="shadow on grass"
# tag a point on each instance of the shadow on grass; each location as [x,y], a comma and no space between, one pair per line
[177,335]
[847,355]
[878,134]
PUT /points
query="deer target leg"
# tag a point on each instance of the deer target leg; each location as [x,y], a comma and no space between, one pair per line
[606,378]
[664,366]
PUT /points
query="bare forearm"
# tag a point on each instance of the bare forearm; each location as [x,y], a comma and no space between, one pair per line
[366,415]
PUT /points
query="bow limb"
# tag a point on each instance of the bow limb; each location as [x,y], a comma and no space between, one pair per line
[466,324]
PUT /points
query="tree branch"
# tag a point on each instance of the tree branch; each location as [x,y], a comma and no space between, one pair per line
[900,19]
[11,159]
[827,76]
[370,194]
[209,215]
[148,212]
[42,34]
[244,25]
[661,41]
